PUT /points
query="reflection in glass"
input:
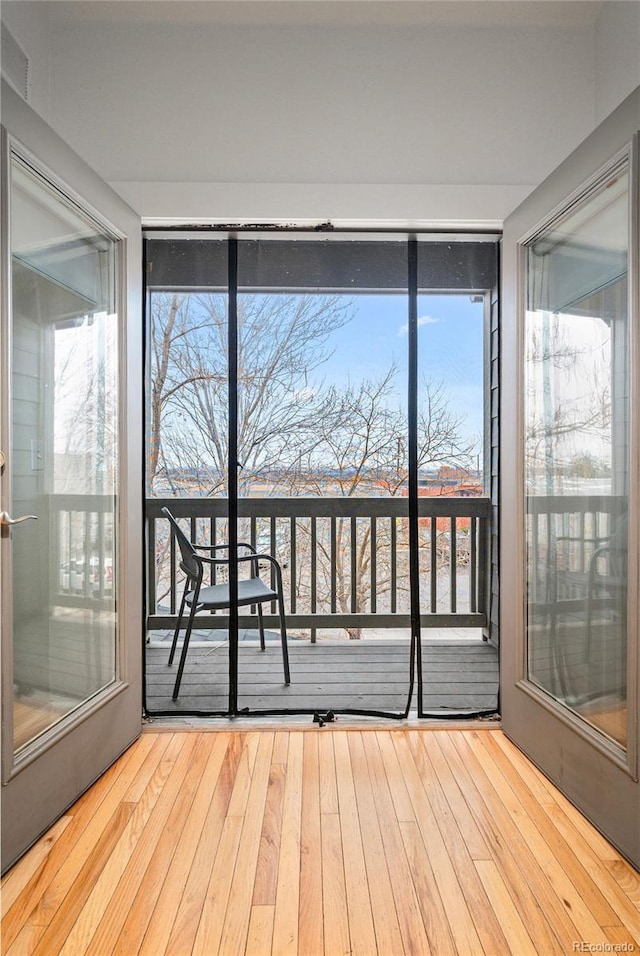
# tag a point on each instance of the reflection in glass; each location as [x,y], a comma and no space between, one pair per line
[576,406]
[64,461]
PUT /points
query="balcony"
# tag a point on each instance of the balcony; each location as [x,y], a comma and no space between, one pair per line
[346,582]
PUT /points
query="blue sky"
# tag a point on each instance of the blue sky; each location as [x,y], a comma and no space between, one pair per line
[450,347]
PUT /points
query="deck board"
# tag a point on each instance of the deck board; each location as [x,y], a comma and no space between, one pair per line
[362,675]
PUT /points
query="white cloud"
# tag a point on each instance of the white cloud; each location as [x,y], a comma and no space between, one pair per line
[422,320]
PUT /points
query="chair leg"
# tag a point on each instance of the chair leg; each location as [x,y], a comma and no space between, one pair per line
[177,630]
[185,648]
[283,639]
[260,626]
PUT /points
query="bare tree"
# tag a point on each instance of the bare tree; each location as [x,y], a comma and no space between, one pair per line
[282,341]
[174,325]
[359,447]
[304,436]
[568,395]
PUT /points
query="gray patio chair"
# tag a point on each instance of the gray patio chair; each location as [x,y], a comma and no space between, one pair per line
[216,597]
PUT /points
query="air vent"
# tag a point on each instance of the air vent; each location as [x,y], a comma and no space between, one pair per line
[15,64]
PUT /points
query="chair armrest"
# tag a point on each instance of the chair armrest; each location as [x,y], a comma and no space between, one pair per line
[242,557]
[220,547]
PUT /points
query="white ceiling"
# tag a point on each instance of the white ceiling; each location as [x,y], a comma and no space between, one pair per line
[561,13]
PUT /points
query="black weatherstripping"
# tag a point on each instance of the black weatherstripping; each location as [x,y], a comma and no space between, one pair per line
[232,491]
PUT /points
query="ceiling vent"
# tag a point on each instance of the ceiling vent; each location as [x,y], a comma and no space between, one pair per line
[15,64]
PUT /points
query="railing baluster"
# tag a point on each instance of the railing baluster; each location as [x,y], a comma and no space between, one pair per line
[374,569]
[534,524]
[434,564]
[86,549]
[214,541]
[293,565]
[152,584]
[314,572]
[550,555]
[394,565]
[212,567]
[334,564]
[69,546]
[473,568]
[453,552]
[483,570]
[253,538]
[274,550]
[354,565]
[172,564]
[100,544]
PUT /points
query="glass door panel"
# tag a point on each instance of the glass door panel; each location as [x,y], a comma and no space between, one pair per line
[576,420]
[71,437]
[454,506]
[187,464]
[64,460]
[323,454]
[569,496]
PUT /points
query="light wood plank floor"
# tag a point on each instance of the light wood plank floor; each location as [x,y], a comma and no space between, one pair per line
[321,843]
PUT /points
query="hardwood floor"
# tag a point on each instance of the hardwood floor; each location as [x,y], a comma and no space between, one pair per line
[321,843]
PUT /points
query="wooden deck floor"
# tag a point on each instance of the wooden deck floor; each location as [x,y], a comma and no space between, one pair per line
[338,676]
[321,843]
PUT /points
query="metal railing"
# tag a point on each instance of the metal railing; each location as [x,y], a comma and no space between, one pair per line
[345,560]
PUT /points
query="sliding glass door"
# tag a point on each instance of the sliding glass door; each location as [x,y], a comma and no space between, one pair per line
[323,446]
[302,404]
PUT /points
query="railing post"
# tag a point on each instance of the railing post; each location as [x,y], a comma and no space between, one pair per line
[151,566]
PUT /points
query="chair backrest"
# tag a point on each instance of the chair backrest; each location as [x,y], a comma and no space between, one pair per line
[189,564]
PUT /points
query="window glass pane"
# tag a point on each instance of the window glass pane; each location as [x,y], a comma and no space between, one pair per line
[64,461]
[455,281]
[576,456]
[322,394]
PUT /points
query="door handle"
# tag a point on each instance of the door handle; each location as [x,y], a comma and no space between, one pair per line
[5,518]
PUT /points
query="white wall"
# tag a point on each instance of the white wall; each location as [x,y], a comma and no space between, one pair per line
[30,26]
[193,115]
[617,51]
